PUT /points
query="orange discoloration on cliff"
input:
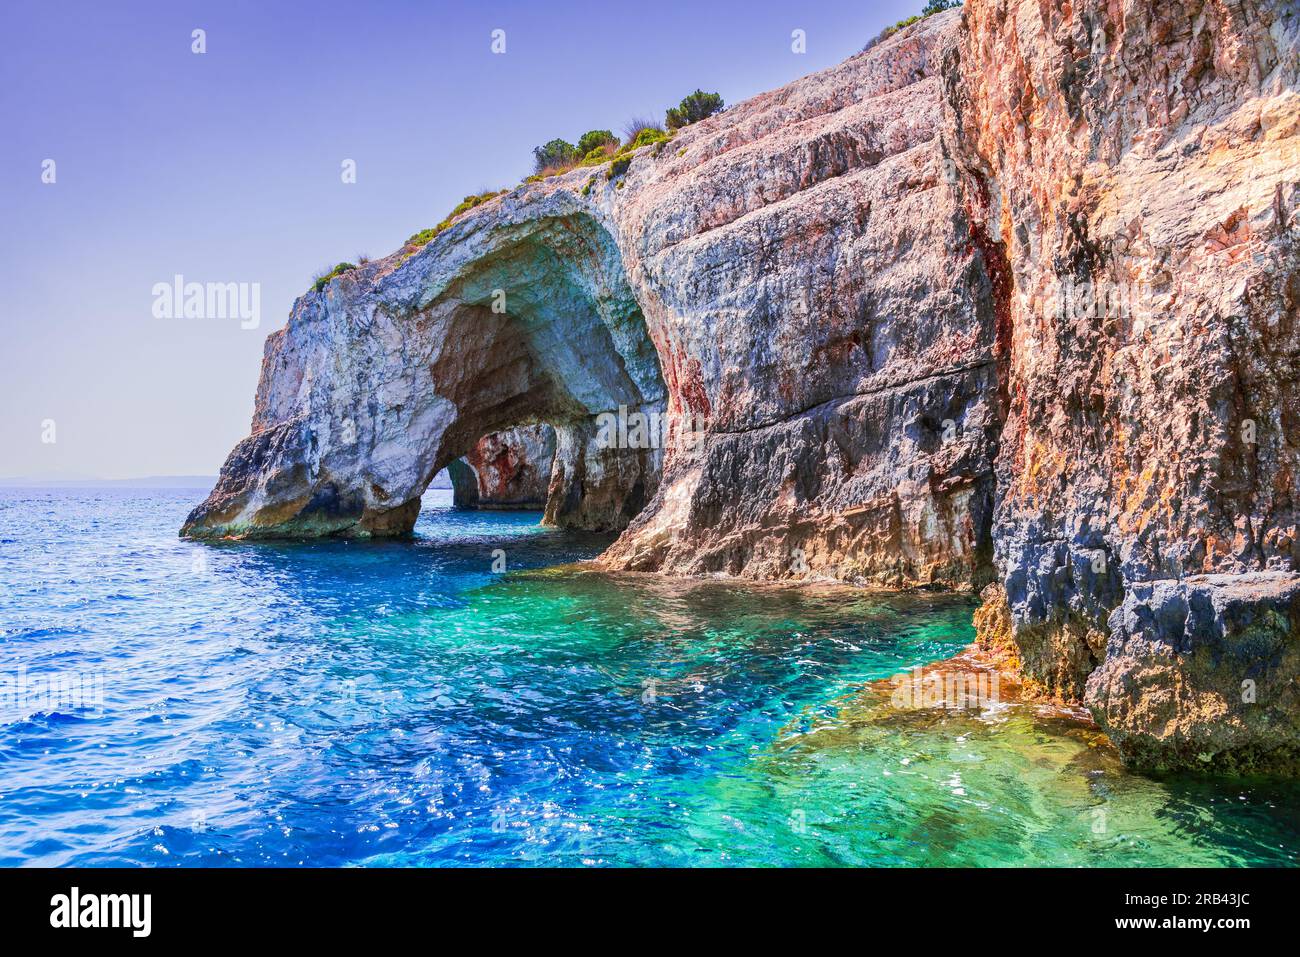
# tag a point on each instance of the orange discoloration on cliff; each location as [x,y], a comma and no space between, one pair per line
[684,377]
[1232,237]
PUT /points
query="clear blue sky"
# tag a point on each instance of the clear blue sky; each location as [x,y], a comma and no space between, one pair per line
[225,167]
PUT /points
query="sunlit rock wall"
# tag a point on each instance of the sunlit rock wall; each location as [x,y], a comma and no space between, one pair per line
[1138,166]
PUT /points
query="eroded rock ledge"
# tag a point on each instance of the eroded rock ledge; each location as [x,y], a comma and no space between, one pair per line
[1008,300]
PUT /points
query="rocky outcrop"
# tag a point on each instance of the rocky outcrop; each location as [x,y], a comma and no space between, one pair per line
[464,484]
[1139,167]
[506,470]
[1008,300]
[397,368]
[1204,671]
[796,275]
[808,267]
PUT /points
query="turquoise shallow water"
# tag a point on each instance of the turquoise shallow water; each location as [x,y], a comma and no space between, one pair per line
[352,703]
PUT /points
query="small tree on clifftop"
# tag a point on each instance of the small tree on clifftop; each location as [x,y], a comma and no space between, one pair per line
[554,154]
[698,106]
[594,139]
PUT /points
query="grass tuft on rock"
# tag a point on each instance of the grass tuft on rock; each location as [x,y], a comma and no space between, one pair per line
[931,8]
[618,167]
[424,236]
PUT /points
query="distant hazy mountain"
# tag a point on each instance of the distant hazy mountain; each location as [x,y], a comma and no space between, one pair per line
[148,481]
[205,482]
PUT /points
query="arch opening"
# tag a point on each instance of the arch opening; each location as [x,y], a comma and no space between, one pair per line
[366,396]
[557,338]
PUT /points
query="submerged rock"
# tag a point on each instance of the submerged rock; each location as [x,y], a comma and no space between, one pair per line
[1008,300]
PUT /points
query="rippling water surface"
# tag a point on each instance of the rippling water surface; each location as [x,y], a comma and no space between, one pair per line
[400,704]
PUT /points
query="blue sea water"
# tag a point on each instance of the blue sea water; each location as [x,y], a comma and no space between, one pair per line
[165,702]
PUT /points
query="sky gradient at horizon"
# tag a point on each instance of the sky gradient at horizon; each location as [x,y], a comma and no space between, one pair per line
[225,167]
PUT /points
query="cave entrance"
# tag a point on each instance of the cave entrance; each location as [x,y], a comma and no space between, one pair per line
[508,470]
[382,380]
[543,337]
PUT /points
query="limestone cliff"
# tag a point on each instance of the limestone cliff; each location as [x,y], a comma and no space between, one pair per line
[796,273]
[1138,166]
[1007,300]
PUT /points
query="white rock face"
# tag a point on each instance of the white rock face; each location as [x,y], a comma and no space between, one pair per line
[795,273]
[520,313]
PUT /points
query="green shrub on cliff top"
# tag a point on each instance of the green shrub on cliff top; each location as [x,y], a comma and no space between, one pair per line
[425,235]
[645,138]
[693,108]
[594,140]
[554,156]
[931,8]
[600,155]
[633,127]
[598,147]
[469,202]
[938,6]
[890,31]
[321,278]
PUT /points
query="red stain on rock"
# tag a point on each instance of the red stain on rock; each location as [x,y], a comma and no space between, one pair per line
[497,465]
[691,383]
[836,351]
[998,269]
[684,377]
[513,466]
